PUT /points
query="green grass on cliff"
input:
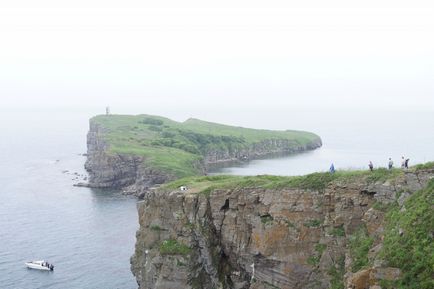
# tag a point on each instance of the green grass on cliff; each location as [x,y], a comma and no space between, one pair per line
[360,242]
[314,182]
[173,247]
[409,241]
[178,147]
[425,166]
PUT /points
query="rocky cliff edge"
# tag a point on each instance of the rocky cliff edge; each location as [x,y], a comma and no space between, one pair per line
[319,231]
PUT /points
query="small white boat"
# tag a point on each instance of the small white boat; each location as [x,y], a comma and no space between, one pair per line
[40,265]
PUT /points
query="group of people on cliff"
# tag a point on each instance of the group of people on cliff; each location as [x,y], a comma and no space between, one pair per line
[404,165]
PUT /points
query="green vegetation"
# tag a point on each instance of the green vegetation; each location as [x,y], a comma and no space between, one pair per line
[337,274]
[313,223]
[320,248]
[360,243]
[382,206]
[173,247]
[313,260]
[177,148]
[383,174]
[315,182]
[408,241]
[338,231]
[266,219]
[156,228]
[426,166]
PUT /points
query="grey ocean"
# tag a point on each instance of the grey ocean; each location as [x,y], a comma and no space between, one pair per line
[89,235]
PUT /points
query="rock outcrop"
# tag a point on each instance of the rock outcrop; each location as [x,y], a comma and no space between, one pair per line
[256,238]
[119,171]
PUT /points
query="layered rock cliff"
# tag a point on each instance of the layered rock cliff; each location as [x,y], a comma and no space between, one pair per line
[265,148]
[116,170]
[320,231]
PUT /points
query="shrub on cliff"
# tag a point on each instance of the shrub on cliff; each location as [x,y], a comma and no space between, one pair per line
[173,247]
[152,121]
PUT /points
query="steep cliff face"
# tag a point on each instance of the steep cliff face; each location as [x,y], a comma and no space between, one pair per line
[136,172]
[114,170]
[252,237]
[258,150]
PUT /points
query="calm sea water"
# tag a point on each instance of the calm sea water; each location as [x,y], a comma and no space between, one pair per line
[350,141]
[89,235]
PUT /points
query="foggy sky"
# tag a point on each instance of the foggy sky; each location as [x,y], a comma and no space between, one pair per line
[231,55]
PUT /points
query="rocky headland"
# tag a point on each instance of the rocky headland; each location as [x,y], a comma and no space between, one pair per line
[134,153]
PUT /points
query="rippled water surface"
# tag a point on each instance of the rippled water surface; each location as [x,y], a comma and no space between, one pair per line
[87,234]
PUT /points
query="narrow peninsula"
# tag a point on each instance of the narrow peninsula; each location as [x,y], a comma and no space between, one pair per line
[137,152]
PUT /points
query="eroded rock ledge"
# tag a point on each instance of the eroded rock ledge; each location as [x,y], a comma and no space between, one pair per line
[251,237]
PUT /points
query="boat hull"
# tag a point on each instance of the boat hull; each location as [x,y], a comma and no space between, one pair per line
[37,266]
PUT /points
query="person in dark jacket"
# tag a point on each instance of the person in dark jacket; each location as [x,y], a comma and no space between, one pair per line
[332,168]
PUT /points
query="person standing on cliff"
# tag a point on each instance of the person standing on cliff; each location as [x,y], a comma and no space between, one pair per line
[402,163]
[332,168]
[390,163]
[406,163]
[371,166]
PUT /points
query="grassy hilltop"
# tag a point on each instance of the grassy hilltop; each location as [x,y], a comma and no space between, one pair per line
[177,147]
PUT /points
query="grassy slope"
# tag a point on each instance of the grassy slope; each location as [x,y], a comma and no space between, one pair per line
[315,181]
[176,147]
[413,250]
[249,134]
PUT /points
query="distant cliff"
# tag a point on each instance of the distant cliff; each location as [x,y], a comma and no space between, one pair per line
[318,231]
[136,152]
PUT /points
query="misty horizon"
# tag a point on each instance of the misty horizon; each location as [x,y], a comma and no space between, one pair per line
[283,56]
